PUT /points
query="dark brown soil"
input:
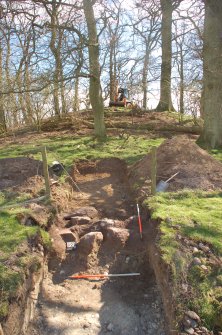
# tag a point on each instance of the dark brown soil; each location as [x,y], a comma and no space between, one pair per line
[197,169]
[15,171]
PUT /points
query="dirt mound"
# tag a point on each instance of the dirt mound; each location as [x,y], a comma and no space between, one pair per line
[197,169]
[15,171]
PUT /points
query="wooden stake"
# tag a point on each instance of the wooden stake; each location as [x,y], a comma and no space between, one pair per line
[46,172]
[153,170]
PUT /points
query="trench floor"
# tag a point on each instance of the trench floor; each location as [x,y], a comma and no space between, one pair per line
[119,306]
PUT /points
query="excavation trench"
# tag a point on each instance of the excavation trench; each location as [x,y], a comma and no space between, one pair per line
[120,306]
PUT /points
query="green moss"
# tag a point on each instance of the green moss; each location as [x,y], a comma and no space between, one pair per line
[46,240]
[4,309]
[9,282]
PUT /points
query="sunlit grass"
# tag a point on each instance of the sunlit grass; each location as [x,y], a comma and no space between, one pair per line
[197,213]
[196,216]
[216,153]
[68,149]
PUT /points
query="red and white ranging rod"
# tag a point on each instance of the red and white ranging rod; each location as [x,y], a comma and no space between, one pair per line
[139,222]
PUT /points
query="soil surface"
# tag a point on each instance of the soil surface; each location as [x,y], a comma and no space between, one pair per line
[15,171]
[196,168]
[108,242]
[116,120]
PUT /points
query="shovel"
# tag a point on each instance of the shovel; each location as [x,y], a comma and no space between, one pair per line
[162,186]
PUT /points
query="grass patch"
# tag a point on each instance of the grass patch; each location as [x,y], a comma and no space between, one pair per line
[195,215]
[216,153]
[12,234]
[68,149]
[11,198]
[12,265]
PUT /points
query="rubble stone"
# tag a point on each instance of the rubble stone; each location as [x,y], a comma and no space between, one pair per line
[193,315]
[204,267]
[79,220]
[195,250]
[186,321]
[110,327]
[118,236]
[90,243]
[83,211]
[204,247]
[197,261]
[189,331]
[106,223]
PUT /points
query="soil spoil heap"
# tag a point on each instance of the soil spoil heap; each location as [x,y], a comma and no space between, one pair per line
[197,169]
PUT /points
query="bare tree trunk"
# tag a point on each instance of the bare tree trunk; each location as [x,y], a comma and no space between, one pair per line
[62,90]
[202,104]
[76,96]
[21,100]
[111,75]
[28,101]
[55,47]
[212,97]
[2,111]
[61,77]
[56,57]
[56,93]
[165,103]
[145,75]
[94,88]
[76,86]
[10,100]
[112,69]
[181,80]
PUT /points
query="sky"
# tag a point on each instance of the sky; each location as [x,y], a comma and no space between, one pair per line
[135,51]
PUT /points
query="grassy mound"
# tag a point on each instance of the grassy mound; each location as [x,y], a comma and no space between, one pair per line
[191,228]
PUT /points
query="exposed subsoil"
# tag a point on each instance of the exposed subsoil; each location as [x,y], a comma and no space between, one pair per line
[197,169]
[15,171]
[108,241]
